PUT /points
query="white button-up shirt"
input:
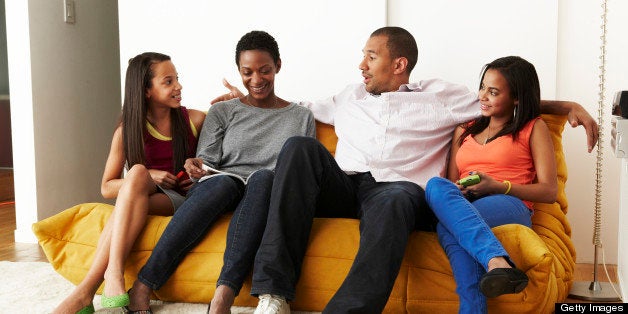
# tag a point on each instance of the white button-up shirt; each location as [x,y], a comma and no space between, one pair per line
[403,135]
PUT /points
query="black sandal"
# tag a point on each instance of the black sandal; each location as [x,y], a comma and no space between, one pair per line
[149,311]
[503,281]
[127,310]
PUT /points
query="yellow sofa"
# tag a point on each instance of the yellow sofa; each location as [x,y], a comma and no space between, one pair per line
[424,285]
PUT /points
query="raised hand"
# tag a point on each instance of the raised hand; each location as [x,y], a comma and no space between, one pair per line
[234,92]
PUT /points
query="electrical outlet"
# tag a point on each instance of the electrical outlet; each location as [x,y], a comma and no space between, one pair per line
[69,12]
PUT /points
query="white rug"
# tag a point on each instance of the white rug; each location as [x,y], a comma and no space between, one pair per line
[34,287]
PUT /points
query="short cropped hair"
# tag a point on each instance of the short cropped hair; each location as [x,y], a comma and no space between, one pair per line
[257,40]
[400,44]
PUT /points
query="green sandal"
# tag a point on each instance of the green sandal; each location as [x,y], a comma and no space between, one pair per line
[87,310]
[120,300]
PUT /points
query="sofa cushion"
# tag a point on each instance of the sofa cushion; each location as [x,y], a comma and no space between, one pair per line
[424,284]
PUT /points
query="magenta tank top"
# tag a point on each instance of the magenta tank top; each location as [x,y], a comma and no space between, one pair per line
[158,148]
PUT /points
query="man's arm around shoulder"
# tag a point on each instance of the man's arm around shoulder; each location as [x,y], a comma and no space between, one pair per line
[576,115]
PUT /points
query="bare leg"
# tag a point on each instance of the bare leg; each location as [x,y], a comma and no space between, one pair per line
[131,211]
[115,242]
[222,301]
[83,294]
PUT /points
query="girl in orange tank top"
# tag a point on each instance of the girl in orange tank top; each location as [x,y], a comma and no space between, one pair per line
[510,151]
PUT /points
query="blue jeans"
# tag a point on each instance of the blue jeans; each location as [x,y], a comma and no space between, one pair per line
[205,203]
[464,231]
[246,230]
[308,183]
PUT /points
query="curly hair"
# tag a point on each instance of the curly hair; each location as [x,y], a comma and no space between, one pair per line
[257,40]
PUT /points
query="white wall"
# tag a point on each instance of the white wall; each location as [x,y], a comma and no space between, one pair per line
[320,42]
[456,38]
[622,263]
[617,79]
[64,103]
[578,63]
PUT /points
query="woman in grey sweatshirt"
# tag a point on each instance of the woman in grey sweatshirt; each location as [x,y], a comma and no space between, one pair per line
[236,155]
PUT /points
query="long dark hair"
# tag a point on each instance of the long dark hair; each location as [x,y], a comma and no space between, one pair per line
[139,75]
[524,86]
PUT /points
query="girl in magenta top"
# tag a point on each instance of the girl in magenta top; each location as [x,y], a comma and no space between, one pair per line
[154,138]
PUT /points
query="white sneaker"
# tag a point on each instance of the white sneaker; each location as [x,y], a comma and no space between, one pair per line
[272,304]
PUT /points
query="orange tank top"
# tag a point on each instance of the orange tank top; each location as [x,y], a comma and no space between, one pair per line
[501,158]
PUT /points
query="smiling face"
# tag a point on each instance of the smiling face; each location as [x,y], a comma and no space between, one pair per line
[378,67]
[165,89]
[495,96]
[258,70]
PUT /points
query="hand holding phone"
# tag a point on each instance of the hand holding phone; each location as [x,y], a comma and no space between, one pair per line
[182,176]
[470,180]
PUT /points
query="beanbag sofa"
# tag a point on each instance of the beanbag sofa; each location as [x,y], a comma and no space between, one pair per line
[425,283]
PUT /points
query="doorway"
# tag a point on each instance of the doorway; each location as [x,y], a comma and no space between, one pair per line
[7,194]
[6,151]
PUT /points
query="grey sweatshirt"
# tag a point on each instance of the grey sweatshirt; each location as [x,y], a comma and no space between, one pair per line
[241,139]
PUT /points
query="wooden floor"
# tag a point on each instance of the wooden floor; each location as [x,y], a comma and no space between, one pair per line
[26,252]
[9,250]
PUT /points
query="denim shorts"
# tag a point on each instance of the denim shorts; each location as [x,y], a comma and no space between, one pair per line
[175,198]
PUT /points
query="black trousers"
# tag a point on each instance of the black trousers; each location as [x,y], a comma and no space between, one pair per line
[308,183]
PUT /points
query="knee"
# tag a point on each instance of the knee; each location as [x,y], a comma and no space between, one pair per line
[260,182]
[395,209]
[138,172]
[405,198]
[137,179]
[436,186]
[298,141]
[299,144]
[225,181]
[262,176]
[213,186]
[407,191]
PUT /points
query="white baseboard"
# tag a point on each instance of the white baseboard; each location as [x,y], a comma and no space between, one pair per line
[622,284]
[23,235]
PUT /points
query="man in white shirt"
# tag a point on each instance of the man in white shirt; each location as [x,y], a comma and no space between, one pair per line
[392,137]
